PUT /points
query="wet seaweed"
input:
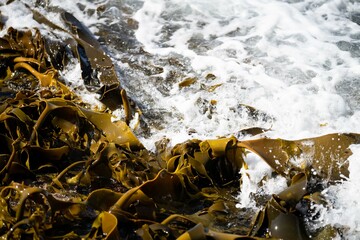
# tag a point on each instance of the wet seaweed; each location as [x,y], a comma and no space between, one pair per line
[70,172]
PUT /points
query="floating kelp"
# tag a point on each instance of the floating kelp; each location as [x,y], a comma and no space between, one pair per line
[70,172]
[187,82]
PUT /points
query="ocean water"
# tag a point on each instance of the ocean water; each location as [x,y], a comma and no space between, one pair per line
[193,67]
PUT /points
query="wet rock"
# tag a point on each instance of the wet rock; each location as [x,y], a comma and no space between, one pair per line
[353,48]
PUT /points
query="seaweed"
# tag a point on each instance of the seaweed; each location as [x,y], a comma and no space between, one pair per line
[70,172]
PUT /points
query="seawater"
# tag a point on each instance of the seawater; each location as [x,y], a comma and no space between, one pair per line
[295,61]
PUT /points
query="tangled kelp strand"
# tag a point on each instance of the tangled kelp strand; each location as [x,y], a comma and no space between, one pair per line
[54,145]
[317,154]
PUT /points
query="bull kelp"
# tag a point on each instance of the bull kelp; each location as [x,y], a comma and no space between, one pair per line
[69,172]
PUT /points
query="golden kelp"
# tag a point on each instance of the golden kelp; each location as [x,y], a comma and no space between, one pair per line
[69,172]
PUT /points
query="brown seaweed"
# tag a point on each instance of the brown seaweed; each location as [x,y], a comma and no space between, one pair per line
[69,172]
[98,70]
[323,156]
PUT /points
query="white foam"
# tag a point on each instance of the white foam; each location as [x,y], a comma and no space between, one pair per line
[17,16]
[257,180]
[287,76]
[85,11]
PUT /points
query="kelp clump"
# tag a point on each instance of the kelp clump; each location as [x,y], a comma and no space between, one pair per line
[70,172]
